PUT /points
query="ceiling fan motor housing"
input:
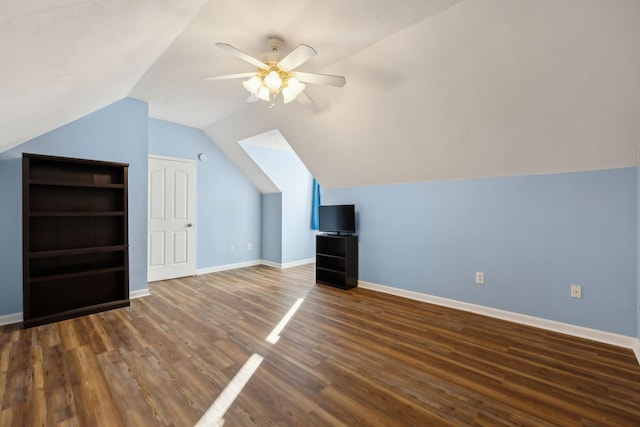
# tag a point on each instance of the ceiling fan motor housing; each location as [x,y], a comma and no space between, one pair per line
[275,46]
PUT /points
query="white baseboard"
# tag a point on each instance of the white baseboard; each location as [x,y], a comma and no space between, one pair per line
[254,263]
[298,263]
[271,263]
[228,267]
[538,322]
[139,294]
[8,319]
[636,349]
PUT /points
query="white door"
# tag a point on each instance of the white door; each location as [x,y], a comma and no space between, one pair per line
[172,207]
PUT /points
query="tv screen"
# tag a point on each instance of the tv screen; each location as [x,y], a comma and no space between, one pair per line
[337,219]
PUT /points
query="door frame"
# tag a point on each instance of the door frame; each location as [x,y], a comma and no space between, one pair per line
[195,203]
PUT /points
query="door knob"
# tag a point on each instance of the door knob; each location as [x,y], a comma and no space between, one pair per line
[189,225]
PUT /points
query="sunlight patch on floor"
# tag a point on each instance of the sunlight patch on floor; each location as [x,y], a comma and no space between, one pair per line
[274,336]
[214,417]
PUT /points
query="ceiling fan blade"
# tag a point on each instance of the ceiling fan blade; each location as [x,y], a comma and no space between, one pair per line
[230,76]
[321,79]
[297,57]
[251,99]
[240,54]
[303,99]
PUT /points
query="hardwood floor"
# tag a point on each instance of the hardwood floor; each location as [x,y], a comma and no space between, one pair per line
[346,358]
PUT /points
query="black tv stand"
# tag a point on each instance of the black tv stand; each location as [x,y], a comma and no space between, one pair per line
[337,260]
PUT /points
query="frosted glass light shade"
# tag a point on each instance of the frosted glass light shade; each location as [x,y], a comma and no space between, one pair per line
[288,95]
[296,87]
[252,85]
[263,93]
[273,81]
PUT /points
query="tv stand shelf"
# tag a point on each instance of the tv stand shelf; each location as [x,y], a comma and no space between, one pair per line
[337,260]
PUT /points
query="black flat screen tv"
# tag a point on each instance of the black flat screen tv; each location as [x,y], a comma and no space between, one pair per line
[338,219]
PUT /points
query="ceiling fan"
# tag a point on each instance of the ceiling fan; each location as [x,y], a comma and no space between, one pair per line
[277,76]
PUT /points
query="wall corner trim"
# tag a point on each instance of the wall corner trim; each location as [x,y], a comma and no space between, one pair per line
[271,263]
[9,319]
[282,266]
[298,263]
[139,293]
[254,263]
[538,322]
[636,349]
[217,268]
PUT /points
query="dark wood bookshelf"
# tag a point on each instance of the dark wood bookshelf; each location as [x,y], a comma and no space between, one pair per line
[35,182]
[337,260]
[75,240]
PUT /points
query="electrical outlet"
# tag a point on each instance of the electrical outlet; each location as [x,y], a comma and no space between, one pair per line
[232,248]
[576,291]
[480,278]
[248,246]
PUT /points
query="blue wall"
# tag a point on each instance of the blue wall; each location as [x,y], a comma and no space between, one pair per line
[116,133]
[11,234]
[291,176]
[272,227]
[228,204]
[532,236]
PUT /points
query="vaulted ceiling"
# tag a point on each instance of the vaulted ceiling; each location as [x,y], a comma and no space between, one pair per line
[436,89]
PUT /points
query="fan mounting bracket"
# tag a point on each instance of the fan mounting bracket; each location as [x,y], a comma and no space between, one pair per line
[274,44]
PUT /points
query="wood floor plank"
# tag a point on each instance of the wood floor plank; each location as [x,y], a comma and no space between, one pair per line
[6,416]
[169,405]
[60,405]
[346,358]
[93,397]
[116,367]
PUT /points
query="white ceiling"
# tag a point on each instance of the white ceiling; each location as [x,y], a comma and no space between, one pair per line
[62,60]
[174,88]
[436,89]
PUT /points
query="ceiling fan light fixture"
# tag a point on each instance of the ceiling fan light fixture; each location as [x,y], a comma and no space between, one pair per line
[288,95]
[252,85]
[276,75]
[295,86]
[264,93]
[273,81]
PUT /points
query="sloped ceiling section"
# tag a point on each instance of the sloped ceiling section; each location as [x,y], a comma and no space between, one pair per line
[337,29]
[486,88]
[64,59]
[436,89]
